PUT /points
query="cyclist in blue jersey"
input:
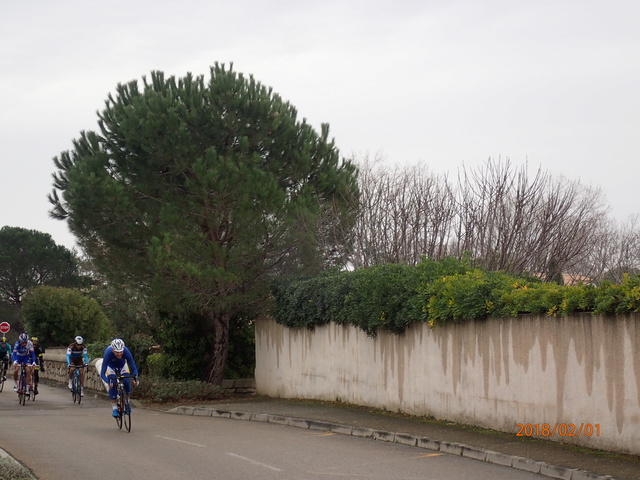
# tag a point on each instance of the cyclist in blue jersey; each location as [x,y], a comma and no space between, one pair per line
[77,355]
[118,358]
[5,356]
[23,353]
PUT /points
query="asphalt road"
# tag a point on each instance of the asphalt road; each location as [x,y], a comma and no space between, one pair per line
[58,440]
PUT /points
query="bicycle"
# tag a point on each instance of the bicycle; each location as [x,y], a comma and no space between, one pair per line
[22,385]
[76,392]
[3,376]
[122,403]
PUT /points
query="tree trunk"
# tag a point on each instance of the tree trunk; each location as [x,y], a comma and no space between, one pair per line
[218,359]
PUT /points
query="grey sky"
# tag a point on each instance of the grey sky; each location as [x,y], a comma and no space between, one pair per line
[443,83]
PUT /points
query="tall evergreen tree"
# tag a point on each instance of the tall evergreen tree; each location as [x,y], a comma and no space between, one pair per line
[199,190]
[29,258]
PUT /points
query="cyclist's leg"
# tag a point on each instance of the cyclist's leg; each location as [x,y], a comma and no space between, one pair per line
[16,369]
[111,376]
[36,380]
[127,385]
[82,380]
[28,376]
[72,370]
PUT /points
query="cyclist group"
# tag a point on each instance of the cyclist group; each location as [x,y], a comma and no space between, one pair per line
[117,358]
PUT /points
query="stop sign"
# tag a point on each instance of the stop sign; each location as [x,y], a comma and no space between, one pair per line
[4,327]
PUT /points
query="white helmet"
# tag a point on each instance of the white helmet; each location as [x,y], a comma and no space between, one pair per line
[79,340]
[117,345]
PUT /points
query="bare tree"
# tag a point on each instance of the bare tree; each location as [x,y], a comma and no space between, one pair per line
[502,216]
[404,214]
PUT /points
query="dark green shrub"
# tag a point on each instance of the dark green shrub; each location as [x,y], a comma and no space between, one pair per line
[165,389]
[241,360]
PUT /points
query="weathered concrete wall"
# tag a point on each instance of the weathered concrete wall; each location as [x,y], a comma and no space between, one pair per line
[497,373]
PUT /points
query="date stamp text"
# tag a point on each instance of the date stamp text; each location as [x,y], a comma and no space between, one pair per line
[559,429]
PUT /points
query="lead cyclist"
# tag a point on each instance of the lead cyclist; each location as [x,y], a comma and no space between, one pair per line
[118,358]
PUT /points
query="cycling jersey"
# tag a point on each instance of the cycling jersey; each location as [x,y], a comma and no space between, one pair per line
[5,351]
[39,351]
[76,353]
[23,353]
[111,364]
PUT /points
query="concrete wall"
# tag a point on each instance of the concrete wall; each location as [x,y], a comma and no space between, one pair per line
[496,373]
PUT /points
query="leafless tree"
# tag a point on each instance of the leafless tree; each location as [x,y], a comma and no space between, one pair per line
[504,217]
[404,214]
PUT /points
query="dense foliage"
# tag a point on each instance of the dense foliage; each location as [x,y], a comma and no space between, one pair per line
[56,315]
[391,297]
[29,258]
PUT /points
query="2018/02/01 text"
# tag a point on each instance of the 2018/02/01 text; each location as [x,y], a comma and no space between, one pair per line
[560,429]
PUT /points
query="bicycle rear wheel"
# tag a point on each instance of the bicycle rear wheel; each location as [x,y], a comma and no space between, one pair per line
[1,383]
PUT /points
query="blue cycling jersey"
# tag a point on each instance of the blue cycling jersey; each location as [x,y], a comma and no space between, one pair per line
[23,353]
[117,364]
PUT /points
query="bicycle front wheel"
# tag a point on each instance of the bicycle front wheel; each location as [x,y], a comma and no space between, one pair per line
[22,386]
[120,411]
[126,415]
[74,389]
[77,387]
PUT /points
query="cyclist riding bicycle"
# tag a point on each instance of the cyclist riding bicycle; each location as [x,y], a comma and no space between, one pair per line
[39,367]
[5,355]
[77,356]
[23,353]
[118,358]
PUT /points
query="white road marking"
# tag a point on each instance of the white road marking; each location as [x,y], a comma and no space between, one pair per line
[255,462]
[181,441]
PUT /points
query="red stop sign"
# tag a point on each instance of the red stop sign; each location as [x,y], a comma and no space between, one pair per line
[4,327]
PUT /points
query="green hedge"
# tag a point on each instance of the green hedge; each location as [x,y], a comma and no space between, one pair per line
[391,297]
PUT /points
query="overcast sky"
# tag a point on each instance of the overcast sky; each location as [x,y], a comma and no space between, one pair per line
[555,83]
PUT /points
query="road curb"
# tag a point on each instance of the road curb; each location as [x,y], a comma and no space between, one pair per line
[452,448]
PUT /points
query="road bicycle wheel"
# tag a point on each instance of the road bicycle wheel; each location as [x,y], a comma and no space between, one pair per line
[1,382]
[76,387]
[22,386]
[120,411]
[126,416]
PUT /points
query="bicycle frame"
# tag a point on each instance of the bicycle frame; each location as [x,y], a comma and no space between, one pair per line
[122,402]
[75,383]
[22,384]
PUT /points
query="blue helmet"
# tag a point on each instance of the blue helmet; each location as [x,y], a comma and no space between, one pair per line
[23,337]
